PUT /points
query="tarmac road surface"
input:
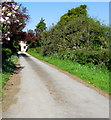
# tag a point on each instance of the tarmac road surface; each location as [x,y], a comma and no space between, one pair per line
[45,92]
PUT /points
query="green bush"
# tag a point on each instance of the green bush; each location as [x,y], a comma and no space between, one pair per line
[37,49]
[101,58]
[8,65]
[75,31]
[6,53]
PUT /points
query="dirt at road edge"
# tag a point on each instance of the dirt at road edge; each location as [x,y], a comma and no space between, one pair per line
[11,89]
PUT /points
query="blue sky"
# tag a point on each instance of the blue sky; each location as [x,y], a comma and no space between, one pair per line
[52,11]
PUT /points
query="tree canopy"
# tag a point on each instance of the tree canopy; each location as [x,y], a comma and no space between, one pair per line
[13,20]
[41,26]
[75,30]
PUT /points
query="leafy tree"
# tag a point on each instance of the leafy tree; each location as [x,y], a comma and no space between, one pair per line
[32,38]
[75,31]
[73,13]
[40,28]
[13,20]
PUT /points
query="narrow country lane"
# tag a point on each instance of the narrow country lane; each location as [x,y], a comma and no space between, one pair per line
[45,92]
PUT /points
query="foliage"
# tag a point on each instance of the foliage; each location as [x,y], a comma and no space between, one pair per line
[6,53]
[40,28]
[76,32]
[34,39]
[28,37]
[3,79]
[78,44]
[73,13]
[9,64]
[13,20]
[8,68]
[37,50]
[101,58]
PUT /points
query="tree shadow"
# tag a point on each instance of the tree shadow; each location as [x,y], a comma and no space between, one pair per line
[22,55]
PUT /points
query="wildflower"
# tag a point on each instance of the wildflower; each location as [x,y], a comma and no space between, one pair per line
[20,23]
[17,20]
[2,20]
[5,35]
[9,14]
[16,7]
[4,8]
[14,11]
[13,6]
[13,15]
[8,32]
[6,18]
[8,39]
[8,22]
[2,13]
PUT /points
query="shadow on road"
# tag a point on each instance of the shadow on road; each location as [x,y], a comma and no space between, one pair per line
[22,54]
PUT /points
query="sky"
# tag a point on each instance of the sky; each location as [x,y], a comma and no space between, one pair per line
[52,11]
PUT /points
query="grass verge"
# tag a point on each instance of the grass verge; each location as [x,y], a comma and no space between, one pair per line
[91,74]
[4,76]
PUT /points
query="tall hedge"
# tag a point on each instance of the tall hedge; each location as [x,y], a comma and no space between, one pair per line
[79,38]
[75,31]
[101,58]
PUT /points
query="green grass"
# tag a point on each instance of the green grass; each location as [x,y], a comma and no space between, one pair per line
[92,74]
[4,76]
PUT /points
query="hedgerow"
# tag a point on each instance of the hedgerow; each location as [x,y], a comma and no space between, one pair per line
[101,58]
[79,38]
